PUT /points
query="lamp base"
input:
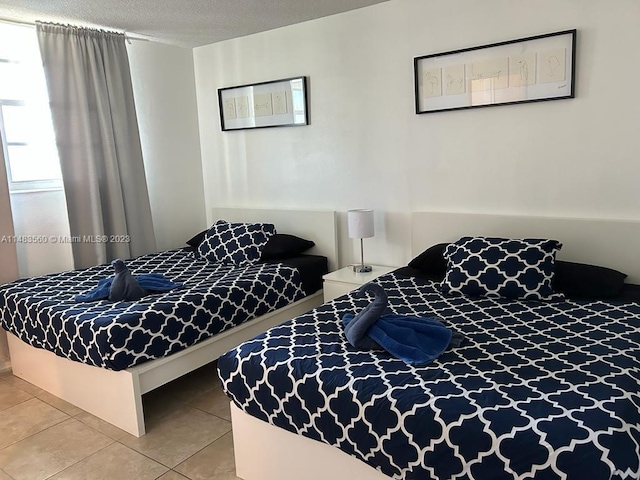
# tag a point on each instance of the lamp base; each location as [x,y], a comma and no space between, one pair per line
[362,268]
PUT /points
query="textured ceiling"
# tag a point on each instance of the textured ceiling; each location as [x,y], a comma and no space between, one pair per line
[187,23]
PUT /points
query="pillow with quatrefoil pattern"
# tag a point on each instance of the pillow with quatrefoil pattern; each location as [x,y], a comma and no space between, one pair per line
[501,267]
[235,243]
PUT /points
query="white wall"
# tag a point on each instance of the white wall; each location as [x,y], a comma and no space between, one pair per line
[366,147]
[43,215]
[164,91]
[36,214]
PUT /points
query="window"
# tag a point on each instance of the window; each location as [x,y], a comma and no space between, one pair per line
[25,118]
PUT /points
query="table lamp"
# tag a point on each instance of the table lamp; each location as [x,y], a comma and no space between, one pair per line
[360,225]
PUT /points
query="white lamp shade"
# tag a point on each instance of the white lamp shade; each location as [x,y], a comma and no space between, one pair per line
[360,223]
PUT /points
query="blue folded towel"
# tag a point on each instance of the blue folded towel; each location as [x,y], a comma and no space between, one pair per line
[125,287]
[414,340]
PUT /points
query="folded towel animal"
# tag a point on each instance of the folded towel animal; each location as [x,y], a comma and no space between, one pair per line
[414,340]
[125,287]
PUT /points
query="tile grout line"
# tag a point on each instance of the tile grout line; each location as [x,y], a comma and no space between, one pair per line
[12,478]
[19,403]
[80,412]
[82,459]
[68,416]
[195,453]
[182,461]
[212,414]
[145,455]
[59,409]
[39,431]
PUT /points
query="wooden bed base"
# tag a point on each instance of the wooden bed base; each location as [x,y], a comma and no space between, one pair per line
[597,241]
[266,452]
[283,455]
[116,396]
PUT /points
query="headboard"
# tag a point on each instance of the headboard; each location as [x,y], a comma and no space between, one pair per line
[316,225]
[608,243]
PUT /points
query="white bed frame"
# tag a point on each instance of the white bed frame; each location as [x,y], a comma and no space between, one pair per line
[116,396]
[266,452]
[604,242]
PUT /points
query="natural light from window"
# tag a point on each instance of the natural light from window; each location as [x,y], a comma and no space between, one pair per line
[25,118]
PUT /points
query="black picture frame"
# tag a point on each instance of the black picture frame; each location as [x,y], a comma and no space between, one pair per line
[531,69]
[275,103]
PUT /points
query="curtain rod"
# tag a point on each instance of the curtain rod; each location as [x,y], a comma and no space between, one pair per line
[17,22]
[128,36]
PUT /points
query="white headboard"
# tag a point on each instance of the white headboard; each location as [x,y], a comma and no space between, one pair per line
[316,225]
[608,243]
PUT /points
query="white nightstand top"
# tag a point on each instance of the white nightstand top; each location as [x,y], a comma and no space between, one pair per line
[347,275]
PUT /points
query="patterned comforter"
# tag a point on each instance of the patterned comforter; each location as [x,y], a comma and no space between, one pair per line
[538,390]
[116,335]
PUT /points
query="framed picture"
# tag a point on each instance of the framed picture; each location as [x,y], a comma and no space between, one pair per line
[278,103]
[527,70]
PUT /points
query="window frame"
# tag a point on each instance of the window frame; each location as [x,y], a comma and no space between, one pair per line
[21,186]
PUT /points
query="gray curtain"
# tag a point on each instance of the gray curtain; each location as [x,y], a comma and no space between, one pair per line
[96,129]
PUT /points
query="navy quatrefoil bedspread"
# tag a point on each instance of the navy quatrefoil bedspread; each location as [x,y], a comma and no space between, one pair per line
[537,391]
[42,311]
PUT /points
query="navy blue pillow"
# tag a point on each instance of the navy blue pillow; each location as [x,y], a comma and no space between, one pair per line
[580,280]
[431,261]
[236,243]
[284,245]
[196,240]
[501,267]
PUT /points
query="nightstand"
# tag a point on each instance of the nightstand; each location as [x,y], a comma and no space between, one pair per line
[344,280]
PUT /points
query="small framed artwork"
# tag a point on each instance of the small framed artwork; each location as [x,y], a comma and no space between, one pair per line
[526,70]
[277,103]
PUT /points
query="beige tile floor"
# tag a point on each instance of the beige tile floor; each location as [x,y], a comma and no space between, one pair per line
[188,435]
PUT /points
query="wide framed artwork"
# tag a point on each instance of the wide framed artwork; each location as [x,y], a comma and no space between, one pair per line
[276,103]
[529,69]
